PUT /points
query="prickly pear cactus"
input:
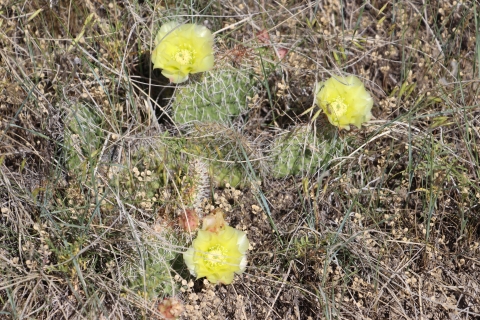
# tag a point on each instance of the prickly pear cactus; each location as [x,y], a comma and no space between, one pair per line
[296,152]
[83,138]
[225,150]
[151,276]
[233,175]
[155,173]
[143,172]
[218,97]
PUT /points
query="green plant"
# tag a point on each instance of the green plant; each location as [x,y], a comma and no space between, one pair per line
[301,151]
[296,152]
[218,96]
[150,276]
[83,138]
[226,151]
[143,172]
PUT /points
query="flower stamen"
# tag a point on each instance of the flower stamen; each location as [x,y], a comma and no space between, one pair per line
[216,256]
[184,56]
[339,108]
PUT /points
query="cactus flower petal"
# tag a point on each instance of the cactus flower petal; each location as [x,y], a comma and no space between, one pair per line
[345,101]
[182,49]
[218,255]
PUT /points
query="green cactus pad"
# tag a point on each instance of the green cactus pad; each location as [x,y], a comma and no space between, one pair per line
[145,170]
[217,97]
[83,138]
[224,150]
[296,152]
[151,276]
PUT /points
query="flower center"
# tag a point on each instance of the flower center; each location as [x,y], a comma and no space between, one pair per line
[338,107]
[185,55]
[216,256]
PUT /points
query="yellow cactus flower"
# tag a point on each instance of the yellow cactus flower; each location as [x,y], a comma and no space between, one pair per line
[217,255]
[182,49]
[345,101]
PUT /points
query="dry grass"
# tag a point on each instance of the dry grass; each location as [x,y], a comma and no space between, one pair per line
[95,168]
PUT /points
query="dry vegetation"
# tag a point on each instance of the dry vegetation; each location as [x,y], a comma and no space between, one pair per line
[386,226]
